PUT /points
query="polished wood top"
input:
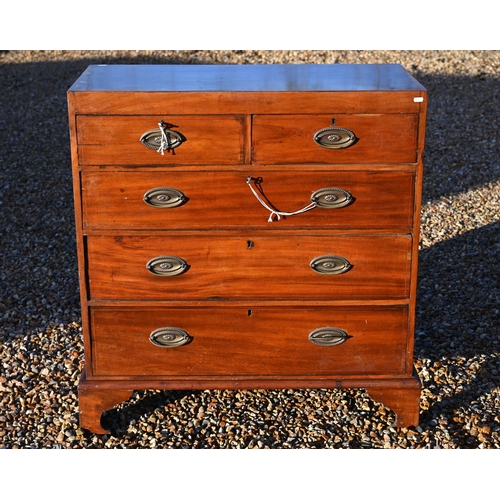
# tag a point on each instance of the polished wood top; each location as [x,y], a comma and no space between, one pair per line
[246,78]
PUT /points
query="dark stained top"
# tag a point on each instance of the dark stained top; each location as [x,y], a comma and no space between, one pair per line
[246,78]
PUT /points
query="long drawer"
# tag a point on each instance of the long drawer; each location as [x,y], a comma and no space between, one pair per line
[116,140]
[380,138]
[248,265]
[220,199]
[262,341]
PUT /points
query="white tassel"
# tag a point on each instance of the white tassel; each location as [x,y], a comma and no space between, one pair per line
[164,141]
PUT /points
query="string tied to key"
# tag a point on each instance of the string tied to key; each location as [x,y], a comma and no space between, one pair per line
[276,215]
[165,144]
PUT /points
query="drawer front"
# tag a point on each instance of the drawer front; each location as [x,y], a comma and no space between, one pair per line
[218,200]
[289,139]
[243,265]
[115,140]
[261,341]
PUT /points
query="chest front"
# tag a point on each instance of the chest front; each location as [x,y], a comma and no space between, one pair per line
[247,227]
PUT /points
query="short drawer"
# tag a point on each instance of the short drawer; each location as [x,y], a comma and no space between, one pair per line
[116,140]
[244,265]
[264,341]
[223,200]
[289,139]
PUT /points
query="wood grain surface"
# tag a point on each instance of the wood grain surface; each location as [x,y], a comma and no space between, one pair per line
[218,200]
[246,265]
[115,140]
[381,138]
[239,341]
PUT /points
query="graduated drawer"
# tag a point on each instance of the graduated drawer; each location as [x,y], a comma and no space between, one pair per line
[115,140]
[116,200]
[379,138]
[264,341]
[244,265]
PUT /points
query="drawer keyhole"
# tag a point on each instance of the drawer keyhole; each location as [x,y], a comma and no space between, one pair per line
[250,244]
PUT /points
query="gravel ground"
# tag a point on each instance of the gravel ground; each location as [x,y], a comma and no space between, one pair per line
[457,337]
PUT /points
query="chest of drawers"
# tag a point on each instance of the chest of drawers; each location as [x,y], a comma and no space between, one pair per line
[247,227]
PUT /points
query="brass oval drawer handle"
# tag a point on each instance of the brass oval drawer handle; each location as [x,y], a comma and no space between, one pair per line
[335,138]
[164,197]
[330,264]
[169,337]
[328,336]
[167,265]
[332,197]
[162,138]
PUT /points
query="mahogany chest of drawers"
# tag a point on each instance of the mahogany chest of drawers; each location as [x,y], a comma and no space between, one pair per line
[247,227]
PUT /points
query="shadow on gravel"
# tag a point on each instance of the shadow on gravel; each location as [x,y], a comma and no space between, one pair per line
[140,406]
[458,326]
[459,295]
